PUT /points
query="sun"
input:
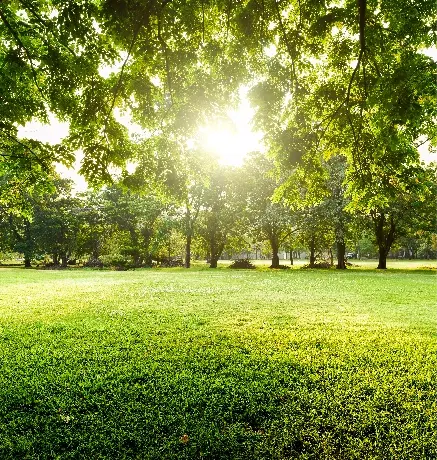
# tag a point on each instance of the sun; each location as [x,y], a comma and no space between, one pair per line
[232,139]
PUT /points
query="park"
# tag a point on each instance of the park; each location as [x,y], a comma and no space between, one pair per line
[218,229]
[176,363]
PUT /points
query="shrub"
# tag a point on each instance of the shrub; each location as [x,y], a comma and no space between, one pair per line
[93,263]
[318,265]
[242,263]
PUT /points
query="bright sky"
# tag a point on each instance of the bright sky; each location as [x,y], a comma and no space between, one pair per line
[230,140]
[53,133]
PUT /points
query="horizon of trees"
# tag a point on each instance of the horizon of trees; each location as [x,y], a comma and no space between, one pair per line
[221,210]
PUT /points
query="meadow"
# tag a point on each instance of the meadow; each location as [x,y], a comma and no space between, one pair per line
[218,364]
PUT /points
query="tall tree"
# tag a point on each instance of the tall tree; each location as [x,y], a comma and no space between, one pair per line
[221,213]
[267,220]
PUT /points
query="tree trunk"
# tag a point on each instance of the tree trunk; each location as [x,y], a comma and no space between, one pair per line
[188,251]
[312,252]
[64,260]
[55,259]
[216,252]
[29,245]
[291,257]
[382,262]
[384,237]
[275,256]
[95,250]
[341,250]
[213,251]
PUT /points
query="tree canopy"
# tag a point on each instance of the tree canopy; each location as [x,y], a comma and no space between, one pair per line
[343,78]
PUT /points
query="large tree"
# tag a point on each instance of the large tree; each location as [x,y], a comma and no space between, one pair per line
[220,217]
[267,220]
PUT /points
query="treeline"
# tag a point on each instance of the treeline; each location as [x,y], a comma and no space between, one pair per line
[208,209]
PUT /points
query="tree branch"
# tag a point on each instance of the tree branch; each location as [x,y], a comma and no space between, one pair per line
[287,43]
[166,57]
[29,57]
[35,156]
[43,23]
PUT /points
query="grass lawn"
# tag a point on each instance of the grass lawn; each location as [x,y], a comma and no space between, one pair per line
[218,364]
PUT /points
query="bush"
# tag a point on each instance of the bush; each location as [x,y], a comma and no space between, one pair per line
[93,263]
[242,263]
[280,267]
[166,262]
[318,265]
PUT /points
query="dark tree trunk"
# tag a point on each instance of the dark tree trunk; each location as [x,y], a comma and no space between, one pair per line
[55,259]
[341,250]
[64,260]
[291,257]
[29,245]
[216,252]
[188,251]
[385,236]
[382,261]
[312,252]
[213,262]
[95,250]
[275,256]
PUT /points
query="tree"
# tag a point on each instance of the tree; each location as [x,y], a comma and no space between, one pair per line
[55,223]
[399,205]
[361,89]
[266,219]
[138,216]
[220,215]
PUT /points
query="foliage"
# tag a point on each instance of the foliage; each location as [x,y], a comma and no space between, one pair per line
[242,263]
[219,219]
[266,220]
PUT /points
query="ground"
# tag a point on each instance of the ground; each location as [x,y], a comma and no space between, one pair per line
[200,363]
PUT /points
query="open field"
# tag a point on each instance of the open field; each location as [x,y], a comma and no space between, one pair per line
[188,364]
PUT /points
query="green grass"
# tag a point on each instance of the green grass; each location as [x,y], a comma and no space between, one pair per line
[188,364]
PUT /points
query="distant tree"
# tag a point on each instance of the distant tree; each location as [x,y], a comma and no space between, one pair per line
[55,224]
[221,214]
[398,203]
[267,220]
[95,227]
[138,216]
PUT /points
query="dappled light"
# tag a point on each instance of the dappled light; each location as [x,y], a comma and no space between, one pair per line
[217,229]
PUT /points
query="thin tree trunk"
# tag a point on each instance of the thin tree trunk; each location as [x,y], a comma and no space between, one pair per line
[312,253]
[28,253]
[188,251]
[291,257]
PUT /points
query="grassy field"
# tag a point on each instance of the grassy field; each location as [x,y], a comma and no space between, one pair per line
[191,364]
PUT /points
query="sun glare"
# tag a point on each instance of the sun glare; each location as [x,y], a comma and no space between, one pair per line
[232,140]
